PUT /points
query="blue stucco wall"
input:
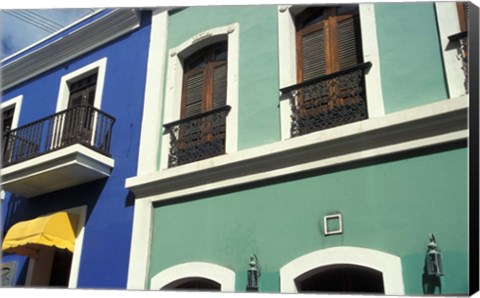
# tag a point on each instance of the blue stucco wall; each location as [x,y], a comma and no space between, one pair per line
[106,244]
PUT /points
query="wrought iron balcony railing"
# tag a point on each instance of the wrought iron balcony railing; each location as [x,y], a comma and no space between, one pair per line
[197,137]
[83,124]
[328,101]
[461,39]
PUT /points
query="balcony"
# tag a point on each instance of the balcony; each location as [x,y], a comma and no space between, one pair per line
[62,150]
[328,101]
[197,137]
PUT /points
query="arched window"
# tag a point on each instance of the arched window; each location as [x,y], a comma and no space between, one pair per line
[205,80]
[201,131]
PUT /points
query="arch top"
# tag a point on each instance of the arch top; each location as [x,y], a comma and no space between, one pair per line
[219,274]
[205,38]
[389,265]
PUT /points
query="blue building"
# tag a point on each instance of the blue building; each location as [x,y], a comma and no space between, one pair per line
[71,112]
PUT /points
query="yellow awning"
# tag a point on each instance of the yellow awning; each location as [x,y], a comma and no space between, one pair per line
[27,237]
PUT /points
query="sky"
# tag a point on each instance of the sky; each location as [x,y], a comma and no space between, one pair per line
[20,28]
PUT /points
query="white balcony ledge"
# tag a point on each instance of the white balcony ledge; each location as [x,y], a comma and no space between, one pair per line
[70,166]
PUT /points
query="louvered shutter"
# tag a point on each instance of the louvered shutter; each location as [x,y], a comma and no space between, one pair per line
[194,90]
[313,54]
[349,42]
[219,89]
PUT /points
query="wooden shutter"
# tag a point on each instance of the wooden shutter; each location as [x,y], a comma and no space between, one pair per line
[193,95]
[328,40]
[462,10]
[219,88]
[349,43]
[313,54]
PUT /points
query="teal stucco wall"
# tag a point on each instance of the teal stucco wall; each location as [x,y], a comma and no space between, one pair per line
[410,55]
[258,97]
[390,207]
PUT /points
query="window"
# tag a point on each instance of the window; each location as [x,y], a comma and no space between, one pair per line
[330,73]
[201,98]
[80,115]
[10,110]
[7,120]
[205,80]
[200,133]
[462,10]
[328,40]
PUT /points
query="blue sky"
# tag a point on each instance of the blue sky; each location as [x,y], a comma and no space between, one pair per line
[18,32]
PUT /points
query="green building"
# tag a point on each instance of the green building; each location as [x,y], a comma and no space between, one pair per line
[293,148]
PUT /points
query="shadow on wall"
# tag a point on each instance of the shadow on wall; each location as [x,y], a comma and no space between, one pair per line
[21,209]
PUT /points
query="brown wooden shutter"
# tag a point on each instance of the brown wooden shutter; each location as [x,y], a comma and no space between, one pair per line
[219,89]
[313,54]
[194,90]
[349,43]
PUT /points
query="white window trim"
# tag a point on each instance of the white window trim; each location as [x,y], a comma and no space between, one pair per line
[222,275]
[448,24]
[98,66]
[14,103]
[64,90]
[173,95]
[389,265]
[287,60]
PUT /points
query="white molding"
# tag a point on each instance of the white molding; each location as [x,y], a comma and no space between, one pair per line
[77,251]
[287,60]
[431,124]
[140,245]
[81,163]
[78,42]
[373,83]
[448,24]
[222,275]
[389,265]
[15,103]
[154,89]
[173,94]
[64,90]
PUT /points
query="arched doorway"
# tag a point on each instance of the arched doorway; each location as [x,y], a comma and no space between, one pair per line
[343,262]
[341,279]
[195,276]
[194,284]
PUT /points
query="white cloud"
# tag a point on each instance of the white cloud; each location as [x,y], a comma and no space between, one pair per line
[17,34]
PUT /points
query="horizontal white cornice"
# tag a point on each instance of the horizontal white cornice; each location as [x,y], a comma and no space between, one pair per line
[441,122]
[78,42]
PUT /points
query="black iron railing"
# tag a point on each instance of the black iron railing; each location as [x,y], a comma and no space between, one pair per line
[461,39]
[84,125]
[328,101]
[197,137]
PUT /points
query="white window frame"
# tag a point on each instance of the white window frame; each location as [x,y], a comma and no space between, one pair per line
[288,60]
[99,67]
[173,96]
[222,275]
[64,90]
[16,104]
